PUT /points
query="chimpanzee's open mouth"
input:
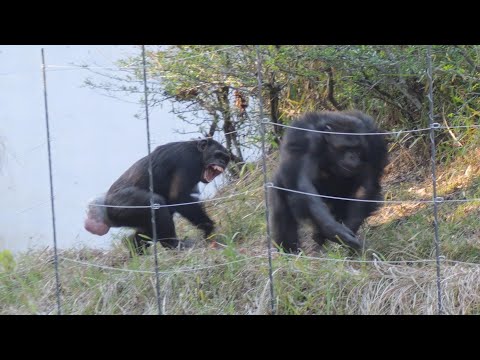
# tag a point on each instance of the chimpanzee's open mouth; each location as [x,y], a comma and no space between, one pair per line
[211,172]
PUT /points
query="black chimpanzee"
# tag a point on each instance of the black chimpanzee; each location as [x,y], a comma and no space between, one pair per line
[178,167]
[348,166]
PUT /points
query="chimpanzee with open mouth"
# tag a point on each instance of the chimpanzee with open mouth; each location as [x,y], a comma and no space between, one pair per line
[177,168]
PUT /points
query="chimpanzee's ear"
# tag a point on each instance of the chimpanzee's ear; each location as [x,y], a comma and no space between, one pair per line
[202,145]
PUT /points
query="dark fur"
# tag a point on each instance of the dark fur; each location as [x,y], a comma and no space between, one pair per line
[334,165]
[177,169]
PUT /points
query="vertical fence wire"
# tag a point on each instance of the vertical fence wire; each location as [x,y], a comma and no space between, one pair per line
[150,175]
[265,189]
[52,203]
[434,175]
[436,200]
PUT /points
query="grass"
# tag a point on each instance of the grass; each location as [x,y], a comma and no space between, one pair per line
[233,277]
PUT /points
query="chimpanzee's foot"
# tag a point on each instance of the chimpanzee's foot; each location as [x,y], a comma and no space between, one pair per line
[137,244]
[178,244]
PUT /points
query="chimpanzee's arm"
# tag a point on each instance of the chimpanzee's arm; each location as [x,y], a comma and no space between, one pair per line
[180,192]
[297,174]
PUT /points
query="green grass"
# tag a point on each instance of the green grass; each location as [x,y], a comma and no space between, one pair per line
[233,278]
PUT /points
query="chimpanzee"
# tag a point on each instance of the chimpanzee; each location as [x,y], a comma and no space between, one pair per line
[348,166]
[177,168]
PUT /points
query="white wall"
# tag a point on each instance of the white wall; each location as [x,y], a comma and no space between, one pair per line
[95,138]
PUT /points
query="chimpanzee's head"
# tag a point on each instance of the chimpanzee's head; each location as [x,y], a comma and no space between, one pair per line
[215,159]
[347,154]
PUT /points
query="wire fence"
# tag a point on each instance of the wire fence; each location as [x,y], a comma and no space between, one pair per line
[271,252]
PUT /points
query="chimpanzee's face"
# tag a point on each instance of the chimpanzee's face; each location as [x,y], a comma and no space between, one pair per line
[215,159]
[347,154]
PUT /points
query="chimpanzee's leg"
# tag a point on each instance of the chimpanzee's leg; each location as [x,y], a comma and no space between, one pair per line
[140,218]
[283,222]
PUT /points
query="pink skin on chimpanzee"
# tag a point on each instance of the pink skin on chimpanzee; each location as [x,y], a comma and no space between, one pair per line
[96,217]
